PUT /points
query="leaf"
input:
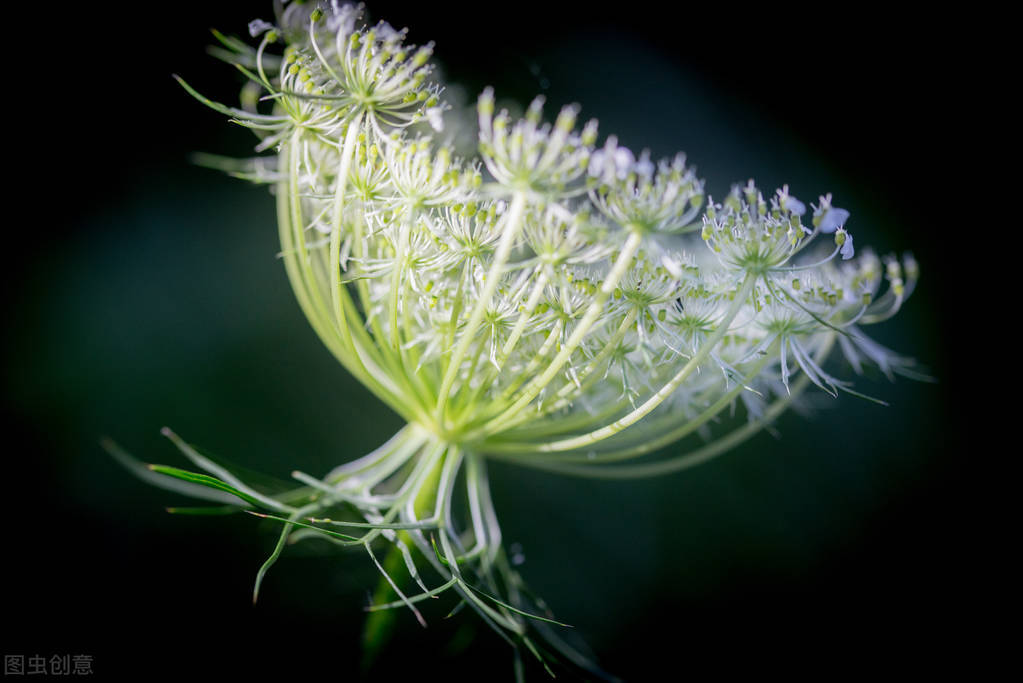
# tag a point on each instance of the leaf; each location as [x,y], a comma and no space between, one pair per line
[425,524]
[294,522]
[169,483]
[204,480]
[536,653]
[394,586]
[512,608]
[379,626]
[232,43]
[436,550]
[432,593]
[268,484]
[261,574]
[458,608]
[212,510]
[224,109]
[225,476]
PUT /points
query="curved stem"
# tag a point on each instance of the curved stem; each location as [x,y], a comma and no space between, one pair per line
[566,394]
[508,237]
[665,391]
[687,460]
[336,285]
[520,325]
[296,259]
[592,313]
[692,458]
[651,445]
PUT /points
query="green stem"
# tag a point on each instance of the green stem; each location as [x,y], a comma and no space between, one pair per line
[681,462]
[686,460]
[534,363]
[296,260]
[592,313]
[665,391]
[347,151]
[566,394]
[650,445]
[509,345]
[512,225]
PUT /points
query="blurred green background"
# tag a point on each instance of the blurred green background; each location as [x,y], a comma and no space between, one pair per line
[143,291]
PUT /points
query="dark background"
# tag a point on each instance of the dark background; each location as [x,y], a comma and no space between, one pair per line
[143,291]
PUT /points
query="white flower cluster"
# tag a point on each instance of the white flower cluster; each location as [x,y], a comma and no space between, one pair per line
[554,303]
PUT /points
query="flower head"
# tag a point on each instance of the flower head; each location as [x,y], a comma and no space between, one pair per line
[524,306]
[544,159]
[640,196]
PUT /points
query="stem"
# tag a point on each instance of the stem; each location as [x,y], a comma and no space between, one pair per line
[396,281]
[566,394]
[527,313]
[296,260]
[504,247]
[651,445]
[692,458]
[592,313]
[534,363]
[520,325]
[684,461]
[665,391]
[347,151]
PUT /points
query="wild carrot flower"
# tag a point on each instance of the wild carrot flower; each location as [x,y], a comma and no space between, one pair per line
[555,304]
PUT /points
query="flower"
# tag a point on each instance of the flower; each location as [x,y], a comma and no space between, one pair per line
[828,218]
[521,307]
[642,197]
[529,156]
[845,241]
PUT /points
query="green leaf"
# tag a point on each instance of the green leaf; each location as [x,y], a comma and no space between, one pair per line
[217,106]
[379,626]
[490,597]
[457,608]
[436,550]
[425,524]
[261,574]
[224,109]
[865,397]
[144,472]
[230,42]
[243,169]
[294,522]
[263,483]
[536,653]
[432,593]
[204,480]
[222,474]
[212,510]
